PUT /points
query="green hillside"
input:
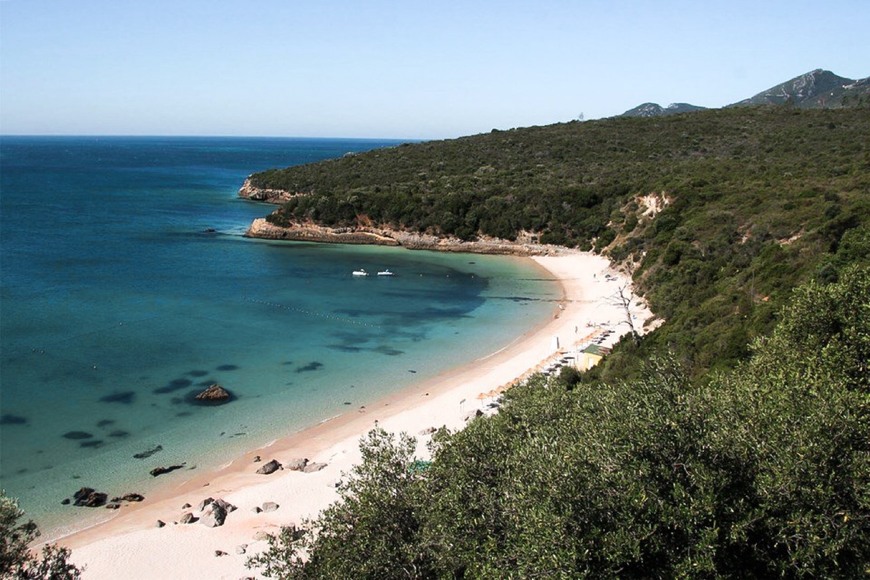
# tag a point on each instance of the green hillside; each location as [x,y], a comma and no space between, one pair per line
[758,201]
[731,442]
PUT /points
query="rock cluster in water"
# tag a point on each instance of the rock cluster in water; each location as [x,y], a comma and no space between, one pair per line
[89,497]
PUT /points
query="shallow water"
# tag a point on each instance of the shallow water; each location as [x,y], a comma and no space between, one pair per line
[117,307]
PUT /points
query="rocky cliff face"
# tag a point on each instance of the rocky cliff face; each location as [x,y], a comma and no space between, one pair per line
[277,196]
[310,232]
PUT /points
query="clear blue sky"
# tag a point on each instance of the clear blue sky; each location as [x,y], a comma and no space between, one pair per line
[404,68]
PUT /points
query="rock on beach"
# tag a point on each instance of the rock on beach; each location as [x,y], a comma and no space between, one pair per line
[270,467]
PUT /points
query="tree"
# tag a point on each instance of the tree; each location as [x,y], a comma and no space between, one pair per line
[16,560]
[624,299]
[371,532]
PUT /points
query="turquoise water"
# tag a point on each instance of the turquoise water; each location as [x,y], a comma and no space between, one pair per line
[117,307]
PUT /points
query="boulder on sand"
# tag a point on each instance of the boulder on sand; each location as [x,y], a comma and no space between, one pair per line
[313,467]
[213,515]
[297,464]
[270,467]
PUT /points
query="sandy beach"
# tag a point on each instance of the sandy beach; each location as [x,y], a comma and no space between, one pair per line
[133,546]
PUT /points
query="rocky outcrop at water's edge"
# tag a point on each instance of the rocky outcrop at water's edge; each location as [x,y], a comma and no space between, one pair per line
[382,236]
[311,232]
[254,193]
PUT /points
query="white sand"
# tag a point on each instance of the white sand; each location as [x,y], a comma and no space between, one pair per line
[131,546]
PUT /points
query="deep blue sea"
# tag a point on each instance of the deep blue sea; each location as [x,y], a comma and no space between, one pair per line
[117,306]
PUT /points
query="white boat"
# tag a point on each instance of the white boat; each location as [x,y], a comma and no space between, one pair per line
[360,272]
[385,273]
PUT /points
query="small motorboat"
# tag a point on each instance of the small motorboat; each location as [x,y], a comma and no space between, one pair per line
[360,272]
[385,273]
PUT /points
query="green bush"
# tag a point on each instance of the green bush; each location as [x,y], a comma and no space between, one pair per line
[16,560]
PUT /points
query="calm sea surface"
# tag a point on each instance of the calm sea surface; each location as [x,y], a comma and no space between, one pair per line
[117,307]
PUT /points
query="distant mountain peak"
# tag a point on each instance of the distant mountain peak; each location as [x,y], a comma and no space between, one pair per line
[656,110]
[817,89]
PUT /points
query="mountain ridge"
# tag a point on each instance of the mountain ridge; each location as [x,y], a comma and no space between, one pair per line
[817,89]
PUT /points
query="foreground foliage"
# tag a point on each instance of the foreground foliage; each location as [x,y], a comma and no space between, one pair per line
[16,560]
[759,472]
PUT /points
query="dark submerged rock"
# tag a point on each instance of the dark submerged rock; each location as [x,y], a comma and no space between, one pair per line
[148,453]
[125,397]
[76,435]
[312,366]
[9,419]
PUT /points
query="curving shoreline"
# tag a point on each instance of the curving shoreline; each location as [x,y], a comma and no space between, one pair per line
[132,546]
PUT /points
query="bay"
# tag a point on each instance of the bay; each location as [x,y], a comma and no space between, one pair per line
[126,287]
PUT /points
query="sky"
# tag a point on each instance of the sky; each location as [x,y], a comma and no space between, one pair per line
[403,69]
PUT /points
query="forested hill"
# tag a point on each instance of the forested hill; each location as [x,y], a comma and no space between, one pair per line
[747,230]
[718,213]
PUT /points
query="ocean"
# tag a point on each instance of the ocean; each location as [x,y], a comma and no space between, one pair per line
[126,287]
